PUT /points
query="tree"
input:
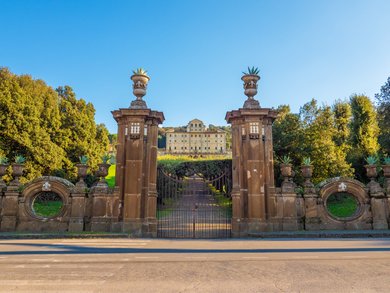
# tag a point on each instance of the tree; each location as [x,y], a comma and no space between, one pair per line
[320,130]
[364,133]
[80,135]
[29,122]
[383,111]
[287,135]
[51,129]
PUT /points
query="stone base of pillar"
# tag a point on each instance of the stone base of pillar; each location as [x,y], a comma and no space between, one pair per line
[149,228]
[8,224]
[239,228]
[380,225]
[99,224]
[292,224]
[133,227]
[312,224]
[116,226]
[76,225]
[257,225]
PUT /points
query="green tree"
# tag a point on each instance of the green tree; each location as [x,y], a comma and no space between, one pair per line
[80,135]
[320,130]
[50,129]
[287,135]
[383,110]
[364,133]
[29,122]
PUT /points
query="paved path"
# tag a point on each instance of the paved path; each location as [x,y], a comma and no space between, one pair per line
[141,265]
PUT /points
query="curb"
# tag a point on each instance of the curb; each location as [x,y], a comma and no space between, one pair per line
[324,234]
[10,236]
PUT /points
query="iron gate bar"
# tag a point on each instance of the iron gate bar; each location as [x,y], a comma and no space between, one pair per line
[187,208]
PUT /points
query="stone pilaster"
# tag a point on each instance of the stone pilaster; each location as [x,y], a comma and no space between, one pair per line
[135,170]
[253,194]
[379,207]
[10,208]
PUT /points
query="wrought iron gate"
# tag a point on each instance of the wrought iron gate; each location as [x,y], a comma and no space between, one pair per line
[193,207]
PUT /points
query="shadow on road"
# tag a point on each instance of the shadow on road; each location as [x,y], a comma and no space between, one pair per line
[75,249]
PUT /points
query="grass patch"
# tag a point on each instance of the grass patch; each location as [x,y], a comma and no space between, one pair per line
[47,209]
[163,213]
[342,205]
[110,178]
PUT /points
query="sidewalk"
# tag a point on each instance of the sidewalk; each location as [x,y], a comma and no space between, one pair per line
[262,235]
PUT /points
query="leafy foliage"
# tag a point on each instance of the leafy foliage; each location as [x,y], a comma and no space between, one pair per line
[383,110]
[50,128]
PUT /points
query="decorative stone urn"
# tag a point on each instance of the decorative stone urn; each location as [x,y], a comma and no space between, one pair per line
[286,170]
[140,83]
[17,172]
[102,171]
[82,171]
[250,90]
[307,171]
[371,171]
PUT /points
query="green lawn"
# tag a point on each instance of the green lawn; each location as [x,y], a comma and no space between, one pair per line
[342,205]
[110,178]
[47,209]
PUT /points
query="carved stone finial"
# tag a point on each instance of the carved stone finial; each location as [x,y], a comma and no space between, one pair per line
[250,90]
[140,84]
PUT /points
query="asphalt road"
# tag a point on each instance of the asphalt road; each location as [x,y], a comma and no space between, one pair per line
[142,265]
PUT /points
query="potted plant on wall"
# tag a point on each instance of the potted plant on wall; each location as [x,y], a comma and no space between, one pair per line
[371,167]
[250,80]
[103,167]
[17,168]
[140,80]
[286,167]
[307,168]
[82,167]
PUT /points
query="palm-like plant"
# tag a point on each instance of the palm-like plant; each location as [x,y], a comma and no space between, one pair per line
[140,71]
[252,71]
[3,160]
[106,158]
[386,160]
[307,161]
[371,160]
[20,159]
[84,160]
[286,160]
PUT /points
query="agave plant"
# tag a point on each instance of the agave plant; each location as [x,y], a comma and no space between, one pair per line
[3,160]
[386,160]
[306,161]
[140,71]
[84,160]
[285,160]
[112,160]
[252,71]
[106,158]
[20,159]
[371,160]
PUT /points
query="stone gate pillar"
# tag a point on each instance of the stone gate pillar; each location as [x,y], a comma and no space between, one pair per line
[253,193]
[136,166]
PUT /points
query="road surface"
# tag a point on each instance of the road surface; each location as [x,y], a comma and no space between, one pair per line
[153,265]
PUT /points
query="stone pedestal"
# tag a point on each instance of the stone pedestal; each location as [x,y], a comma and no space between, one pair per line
[10,208]
[378,206]
[136,169]
[253,193]
[76,219]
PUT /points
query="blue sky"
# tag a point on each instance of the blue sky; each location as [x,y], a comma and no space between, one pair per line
[196,50]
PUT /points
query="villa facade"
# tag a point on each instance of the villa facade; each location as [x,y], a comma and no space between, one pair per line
[197,139]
